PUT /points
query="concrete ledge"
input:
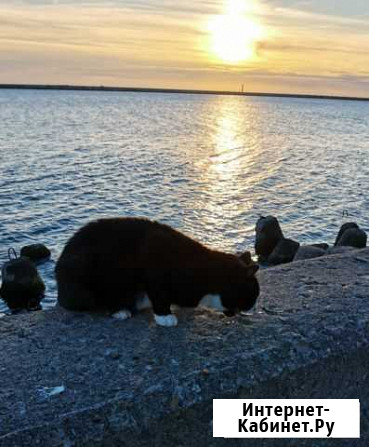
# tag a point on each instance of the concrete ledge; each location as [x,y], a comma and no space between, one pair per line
[130,383]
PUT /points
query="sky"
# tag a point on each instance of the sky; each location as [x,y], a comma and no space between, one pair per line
[290,46]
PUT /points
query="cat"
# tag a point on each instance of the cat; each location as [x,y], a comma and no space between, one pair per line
[22,287]
[113,264]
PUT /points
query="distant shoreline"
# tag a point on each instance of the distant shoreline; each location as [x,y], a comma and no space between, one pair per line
[184,91]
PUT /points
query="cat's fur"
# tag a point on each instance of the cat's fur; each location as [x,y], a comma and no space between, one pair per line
[109,263]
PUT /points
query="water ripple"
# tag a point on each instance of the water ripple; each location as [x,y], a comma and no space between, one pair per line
[207,165]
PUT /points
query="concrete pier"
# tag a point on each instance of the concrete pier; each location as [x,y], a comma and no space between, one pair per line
[69,379]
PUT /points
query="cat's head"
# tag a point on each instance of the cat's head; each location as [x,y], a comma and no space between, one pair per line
[242,288]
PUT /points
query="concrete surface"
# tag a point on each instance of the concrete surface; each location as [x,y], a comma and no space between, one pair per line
[72,379]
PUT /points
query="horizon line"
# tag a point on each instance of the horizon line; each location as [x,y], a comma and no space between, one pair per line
[103,88]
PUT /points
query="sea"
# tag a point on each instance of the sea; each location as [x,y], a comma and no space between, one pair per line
[208,165]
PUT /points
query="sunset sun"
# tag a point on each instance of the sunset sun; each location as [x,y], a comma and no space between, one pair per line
[233,35]
[233,38]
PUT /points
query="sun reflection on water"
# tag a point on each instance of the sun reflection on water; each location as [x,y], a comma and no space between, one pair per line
[228,171]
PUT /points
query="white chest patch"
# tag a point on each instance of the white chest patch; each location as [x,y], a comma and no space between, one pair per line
[212,301]
[123,314]
[166,320]
[143,302]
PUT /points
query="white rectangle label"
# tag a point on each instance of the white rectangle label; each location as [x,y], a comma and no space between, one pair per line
[286,418]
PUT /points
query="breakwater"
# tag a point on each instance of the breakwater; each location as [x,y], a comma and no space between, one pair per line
[80,379]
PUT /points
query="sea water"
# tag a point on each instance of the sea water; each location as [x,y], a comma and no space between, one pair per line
[207,165]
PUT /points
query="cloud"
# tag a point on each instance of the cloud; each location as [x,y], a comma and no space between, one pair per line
[338,8]
[165,43]
[146,6]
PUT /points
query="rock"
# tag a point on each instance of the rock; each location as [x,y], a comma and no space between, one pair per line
[268,234]
[353,237]
[22,286]
[283,252]
[343,228]
[308,252]
[338,250]
[322,245]
[36,252]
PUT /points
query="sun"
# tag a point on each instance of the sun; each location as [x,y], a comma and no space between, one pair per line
[233,37]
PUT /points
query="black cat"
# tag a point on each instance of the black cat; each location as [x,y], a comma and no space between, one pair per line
[22,287]
[110,264]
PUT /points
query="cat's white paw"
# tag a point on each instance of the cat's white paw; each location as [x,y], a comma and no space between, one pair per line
[166,320]
[123,314]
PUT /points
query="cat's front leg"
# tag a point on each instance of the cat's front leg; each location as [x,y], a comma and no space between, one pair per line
[162,313]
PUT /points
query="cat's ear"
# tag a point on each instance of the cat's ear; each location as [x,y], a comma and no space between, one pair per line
[251,270]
